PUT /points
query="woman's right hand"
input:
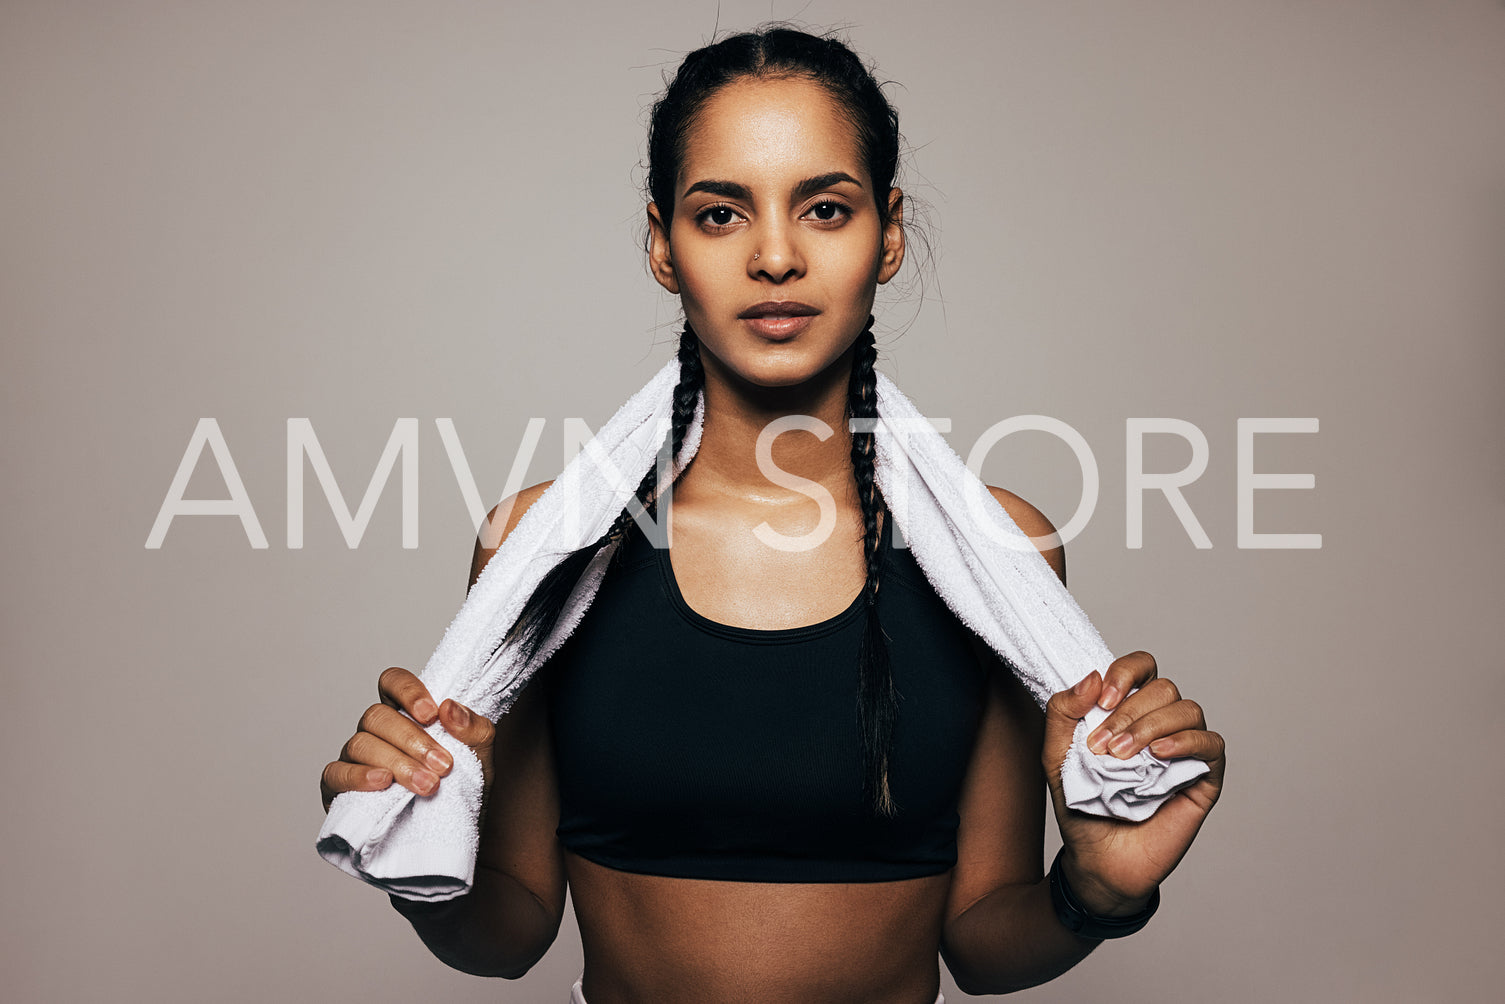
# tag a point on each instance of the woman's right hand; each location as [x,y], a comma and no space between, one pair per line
[389,745]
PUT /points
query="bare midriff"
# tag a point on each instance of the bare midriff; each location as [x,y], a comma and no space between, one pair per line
[650,938]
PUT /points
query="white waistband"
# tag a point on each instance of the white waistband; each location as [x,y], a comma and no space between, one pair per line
[577,995]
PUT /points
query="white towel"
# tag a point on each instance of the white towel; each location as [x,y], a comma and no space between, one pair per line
[979,562]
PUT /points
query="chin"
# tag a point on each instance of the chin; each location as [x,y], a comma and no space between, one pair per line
[752,361]
[771,376]
[792,371]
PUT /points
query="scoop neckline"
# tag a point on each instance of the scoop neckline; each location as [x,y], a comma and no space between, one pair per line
[763,636]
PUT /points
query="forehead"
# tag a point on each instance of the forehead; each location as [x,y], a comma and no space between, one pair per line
[770,129]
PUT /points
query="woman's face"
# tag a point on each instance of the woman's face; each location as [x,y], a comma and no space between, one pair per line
[776,246]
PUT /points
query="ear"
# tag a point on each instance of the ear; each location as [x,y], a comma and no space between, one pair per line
[660,261]
[893,237]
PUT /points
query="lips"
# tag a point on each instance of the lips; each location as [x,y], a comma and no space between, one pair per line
[778,319]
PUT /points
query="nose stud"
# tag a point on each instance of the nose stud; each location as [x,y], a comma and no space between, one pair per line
[755,256]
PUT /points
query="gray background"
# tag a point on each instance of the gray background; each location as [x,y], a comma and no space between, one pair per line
[355,212]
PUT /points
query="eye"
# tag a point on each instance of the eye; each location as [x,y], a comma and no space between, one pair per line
[829,211]
[716,217]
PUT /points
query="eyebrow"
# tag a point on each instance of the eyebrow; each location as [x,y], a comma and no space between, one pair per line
[732,190]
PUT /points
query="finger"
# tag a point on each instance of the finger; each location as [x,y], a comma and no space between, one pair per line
[1123,675]
[368,750]
[474,730]
[1154,724]
[401,689]
[1154,694]
[1197,743]
[401,732]
[339,777]
[1062,712]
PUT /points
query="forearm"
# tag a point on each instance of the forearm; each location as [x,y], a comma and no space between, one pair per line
[1009,940]
[498,929]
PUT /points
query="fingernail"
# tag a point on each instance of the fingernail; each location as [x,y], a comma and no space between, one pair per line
[425,710]
[1160,747]
[1098,741]
[1084,684]
[438,761]
[1108,699]
[462,716]
[424,781]
[378,776]
[1122,744]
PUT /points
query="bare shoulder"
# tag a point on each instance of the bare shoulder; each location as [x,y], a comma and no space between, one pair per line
[500,522]
[1033,522]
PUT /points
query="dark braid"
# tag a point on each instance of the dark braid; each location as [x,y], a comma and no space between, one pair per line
[780,51]
[687,391]
[877,700]
[542,610]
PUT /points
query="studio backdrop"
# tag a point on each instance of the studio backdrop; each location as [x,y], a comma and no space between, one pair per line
[292,292]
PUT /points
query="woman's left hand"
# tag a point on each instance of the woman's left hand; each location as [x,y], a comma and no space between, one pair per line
[1114,865]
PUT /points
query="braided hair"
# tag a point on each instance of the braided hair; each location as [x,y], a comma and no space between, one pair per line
[541,612]
[775,51]
[877,700]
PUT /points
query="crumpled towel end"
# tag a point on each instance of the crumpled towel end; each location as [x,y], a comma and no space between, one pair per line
[417,847]
[1132,789]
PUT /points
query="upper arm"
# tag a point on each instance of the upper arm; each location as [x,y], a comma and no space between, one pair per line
[1001,836]
[500,522]
[518,837]
[1000,839]
[1033,522]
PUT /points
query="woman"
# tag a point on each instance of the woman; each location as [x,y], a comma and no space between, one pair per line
[729,829]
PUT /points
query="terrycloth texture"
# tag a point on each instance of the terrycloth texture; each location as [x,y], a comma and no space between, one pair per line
[980,563]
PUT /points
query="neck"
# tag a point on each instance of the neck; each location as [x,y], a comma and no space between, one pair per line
[737,412]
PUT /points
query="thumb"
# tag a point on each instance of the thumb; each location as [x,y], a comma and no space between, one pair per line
[1062,712]
[475,731]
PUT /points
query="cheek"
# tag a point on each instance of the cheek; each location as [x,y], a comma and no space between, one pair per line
[697,294]
[852,268]
[702,272]
[855,256]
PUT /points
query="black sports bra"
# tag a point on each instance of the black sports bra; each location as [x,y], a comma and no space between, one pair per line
[694,749]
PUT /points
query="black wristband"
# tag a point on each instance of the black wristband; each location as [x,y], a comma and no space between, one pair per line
[1075,918]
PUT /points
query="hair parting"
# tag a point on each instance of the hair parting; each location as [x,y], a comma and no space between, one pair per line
[774,51]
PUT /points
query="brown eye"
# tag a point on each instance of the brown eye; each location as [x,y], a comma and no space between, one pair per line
[718,216]
[828,212]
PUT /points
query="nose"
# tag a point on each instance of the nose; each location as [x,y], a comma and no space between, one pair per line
[776,253]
